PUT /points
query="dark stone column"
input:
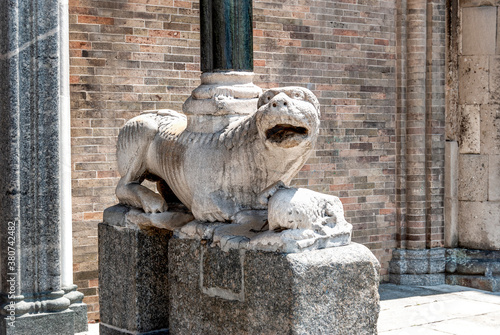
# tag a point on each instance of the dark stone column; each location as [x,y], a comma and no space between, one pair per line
[34,296]
[226,35]
[226,91]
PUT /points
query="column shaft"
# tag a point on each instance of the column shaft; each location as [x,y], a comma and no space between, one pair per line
[226,35]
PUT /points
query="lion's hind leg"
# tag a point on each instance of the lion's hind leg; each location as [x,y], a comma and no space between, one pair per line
[134,140]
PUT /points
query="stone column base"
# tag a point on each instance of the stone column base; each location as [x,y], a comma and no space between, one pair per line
[473,268]
[55,323]
[330,291]
[78,307]
[133,268]
[60,312]
[422,267]
[105,329]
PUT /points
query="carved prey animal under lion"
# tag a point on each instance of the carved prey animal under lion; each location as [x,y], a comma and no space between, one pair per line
[216,175]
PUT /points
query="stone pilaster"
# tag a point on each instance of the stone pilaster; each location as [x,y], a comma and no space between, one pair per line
[420,257]
[416,185]
[34,296]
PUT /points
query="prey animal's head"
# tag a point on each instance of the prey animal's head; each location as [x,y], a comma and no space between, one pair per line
[288,117]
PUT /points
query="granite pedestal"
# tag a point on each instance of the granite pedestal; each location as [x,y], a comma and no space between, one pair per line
[240,290]
[133,268]
[200,282]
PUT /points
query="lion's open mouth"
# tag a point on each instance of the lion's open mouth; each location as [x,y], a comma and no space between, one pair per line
[283,132]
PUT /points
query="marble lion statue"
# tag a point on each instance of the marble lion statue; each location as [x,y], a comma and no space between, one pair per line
[216,175]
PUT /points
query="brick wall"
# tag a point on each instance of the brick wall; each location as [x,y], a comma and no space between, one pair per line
[129,56]
[345,53]
[126,56]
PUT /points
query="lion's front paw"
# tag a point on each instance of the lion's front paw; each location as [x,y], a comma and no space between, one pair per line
[153,203]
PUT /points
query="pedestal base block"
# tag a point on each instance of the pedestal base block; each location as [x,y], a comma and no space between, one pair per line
[80,317]
[237,291]
[133,285]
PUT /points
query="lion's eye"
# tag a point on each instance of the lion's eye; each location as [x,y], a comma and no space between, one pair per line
[268,98]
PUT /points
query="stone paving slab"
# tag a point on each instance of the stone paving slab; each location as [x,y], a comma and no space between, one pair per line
[478,324]
[432,310]
[93,330]
[442,309]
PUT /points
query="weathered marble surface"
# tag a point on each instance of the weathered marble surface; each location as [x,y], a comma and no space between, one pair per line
[300,208]
[299,220]
[216,175]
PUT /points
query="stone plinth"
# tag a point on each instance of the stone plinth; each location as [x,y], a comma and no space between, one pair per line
[248,291]
[418,267]
[133,267]
[473,268]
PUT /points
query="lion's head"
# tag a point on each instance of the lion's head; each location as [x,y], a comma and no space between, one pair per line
[288,117]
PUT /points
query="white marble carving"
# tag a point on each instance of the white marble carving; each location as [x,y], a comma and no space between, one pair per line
[217,174]
[296,220]
[300,208]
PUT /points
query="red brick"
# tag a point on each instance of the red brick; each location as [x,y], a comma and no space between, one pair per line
[93,216]
[140,39]
[345,32]
[165,33]
[259,62]
[258,32]
[95,19]
[341,187]
[183,4]
[80,45]
[381,42]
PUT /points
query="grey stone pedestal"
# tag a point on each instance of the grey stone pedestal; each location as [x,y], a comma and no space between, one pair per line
[327,291]
[153,283]
[133,268]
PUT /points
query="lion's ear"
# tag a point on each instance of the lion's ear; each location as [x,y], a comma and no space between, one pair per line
[265,97]
[310,97]
[313,100]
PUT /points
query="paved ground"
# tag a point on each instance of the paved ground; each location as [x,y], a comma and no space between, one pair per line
[432,310]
